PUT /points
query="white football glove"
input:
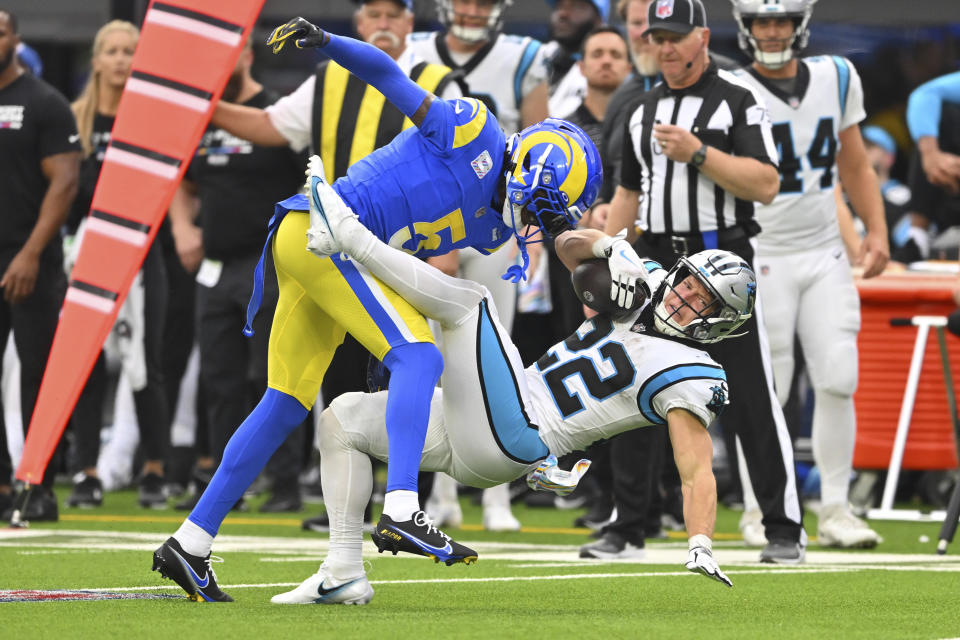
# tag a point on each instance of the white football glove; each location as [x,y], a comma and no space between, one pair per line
[549,477]
[627,273]
[700,560]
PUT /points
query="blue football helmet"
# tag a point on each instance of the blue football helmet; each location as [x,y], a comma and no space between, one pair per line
[553,176]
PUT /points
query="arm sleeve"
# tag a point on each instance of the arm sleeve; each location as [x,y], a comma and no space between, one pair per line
[376,68]
[631,175]
[924,106]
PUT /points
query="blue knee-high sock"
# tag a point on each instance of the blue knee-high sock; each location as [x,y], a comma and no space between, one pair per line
[414,371]
[246,454]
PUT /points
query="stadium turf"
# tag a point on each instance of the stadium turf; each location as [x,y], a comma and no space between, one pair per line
[529,584]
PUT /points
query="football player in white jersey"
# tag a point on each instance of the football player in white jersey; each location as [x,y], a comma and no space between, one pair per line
[492,421]
[805,279]
[509,74]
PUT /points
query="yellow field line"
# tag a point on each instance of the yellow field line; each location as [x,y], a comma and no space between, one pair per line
[292,522]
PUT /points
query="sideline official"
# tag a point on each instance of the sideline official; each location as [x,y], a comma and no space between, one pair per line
[698,152]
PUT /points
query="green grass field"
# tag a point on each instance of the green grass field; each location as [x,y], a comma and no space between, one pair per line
[529,584]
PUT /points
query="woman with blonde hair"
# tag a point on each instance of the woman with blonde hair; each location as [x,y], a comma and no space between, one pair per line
[95,111]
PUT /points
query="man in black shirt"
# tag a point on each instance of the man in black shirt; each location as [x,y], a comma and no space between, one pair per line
[698,149]
[39,162]
[232,184]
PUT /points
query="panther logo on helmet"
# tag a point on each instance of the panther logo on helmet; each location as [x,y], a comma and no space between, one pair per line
[448,18]
[728,279]
[746,11]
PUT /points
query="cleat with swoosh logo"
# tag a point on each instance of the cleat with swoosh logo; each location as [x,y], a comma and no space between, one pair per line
[193,573]
[419,536]
[322,588]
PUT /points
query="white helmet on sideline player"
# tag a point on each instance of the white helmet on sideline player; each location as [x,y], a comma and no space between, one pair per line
[448,18]
[727,278]
[745,11]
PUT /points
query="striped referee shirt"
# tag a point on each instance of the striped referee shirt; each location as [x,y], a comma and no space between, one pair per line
[724,112]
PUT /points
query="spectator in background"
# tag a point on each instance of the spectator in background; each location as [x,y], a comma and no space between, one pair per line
[39,163]
[95,111]
[229,190]
[471,43]
[937,146]
[570,22]
[882,154]
[933,116]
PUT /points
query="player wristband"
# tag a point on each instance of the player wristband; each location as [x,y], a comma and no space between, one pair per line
[700,540]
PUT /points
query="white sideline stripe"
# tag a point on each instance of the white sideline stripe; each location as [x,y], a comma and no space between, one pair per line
[90,300]
[135,161]
[195,27]
[116,231]
[580,576]
[167,94]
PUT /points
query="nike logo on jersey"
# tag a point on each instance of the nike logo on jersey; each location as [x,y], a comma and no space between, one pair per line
[74,138]
[457,107]
[201,583]
[324,592]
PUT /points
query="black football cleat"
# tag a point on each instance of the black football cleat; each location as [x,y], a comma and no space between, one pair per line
[193,573]
[419,536]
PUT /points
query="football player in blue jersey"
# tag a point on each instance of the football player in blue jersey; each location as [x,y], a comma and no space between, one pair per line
[453,180]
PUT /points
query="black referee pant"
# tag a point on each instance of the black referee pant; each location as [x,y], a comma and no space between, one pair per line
[753,414]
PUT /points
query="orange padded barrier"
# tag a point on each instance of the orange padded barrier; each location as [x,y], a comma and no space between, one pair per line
[885,354]
[186,52]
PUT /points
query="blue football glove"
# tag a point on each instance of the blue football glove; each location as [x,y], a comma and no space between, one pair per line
[304,35]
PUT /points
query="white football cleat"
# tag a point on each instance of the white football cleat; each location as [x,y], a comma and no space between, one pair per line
[838,527]
[327,211]
[751,528]
[321,588]
[499,518]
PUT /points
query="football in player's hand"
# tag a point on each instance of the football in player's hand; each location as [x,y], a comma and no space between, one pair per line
[591,282]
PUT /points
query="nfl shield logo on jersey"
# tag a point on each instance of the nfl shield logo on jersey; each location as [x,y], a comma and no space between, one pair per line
[664,8]
[482,164]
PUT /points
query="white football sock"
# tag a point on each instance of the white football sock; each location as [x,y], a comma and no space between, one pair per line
[400,505]
[194,539]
